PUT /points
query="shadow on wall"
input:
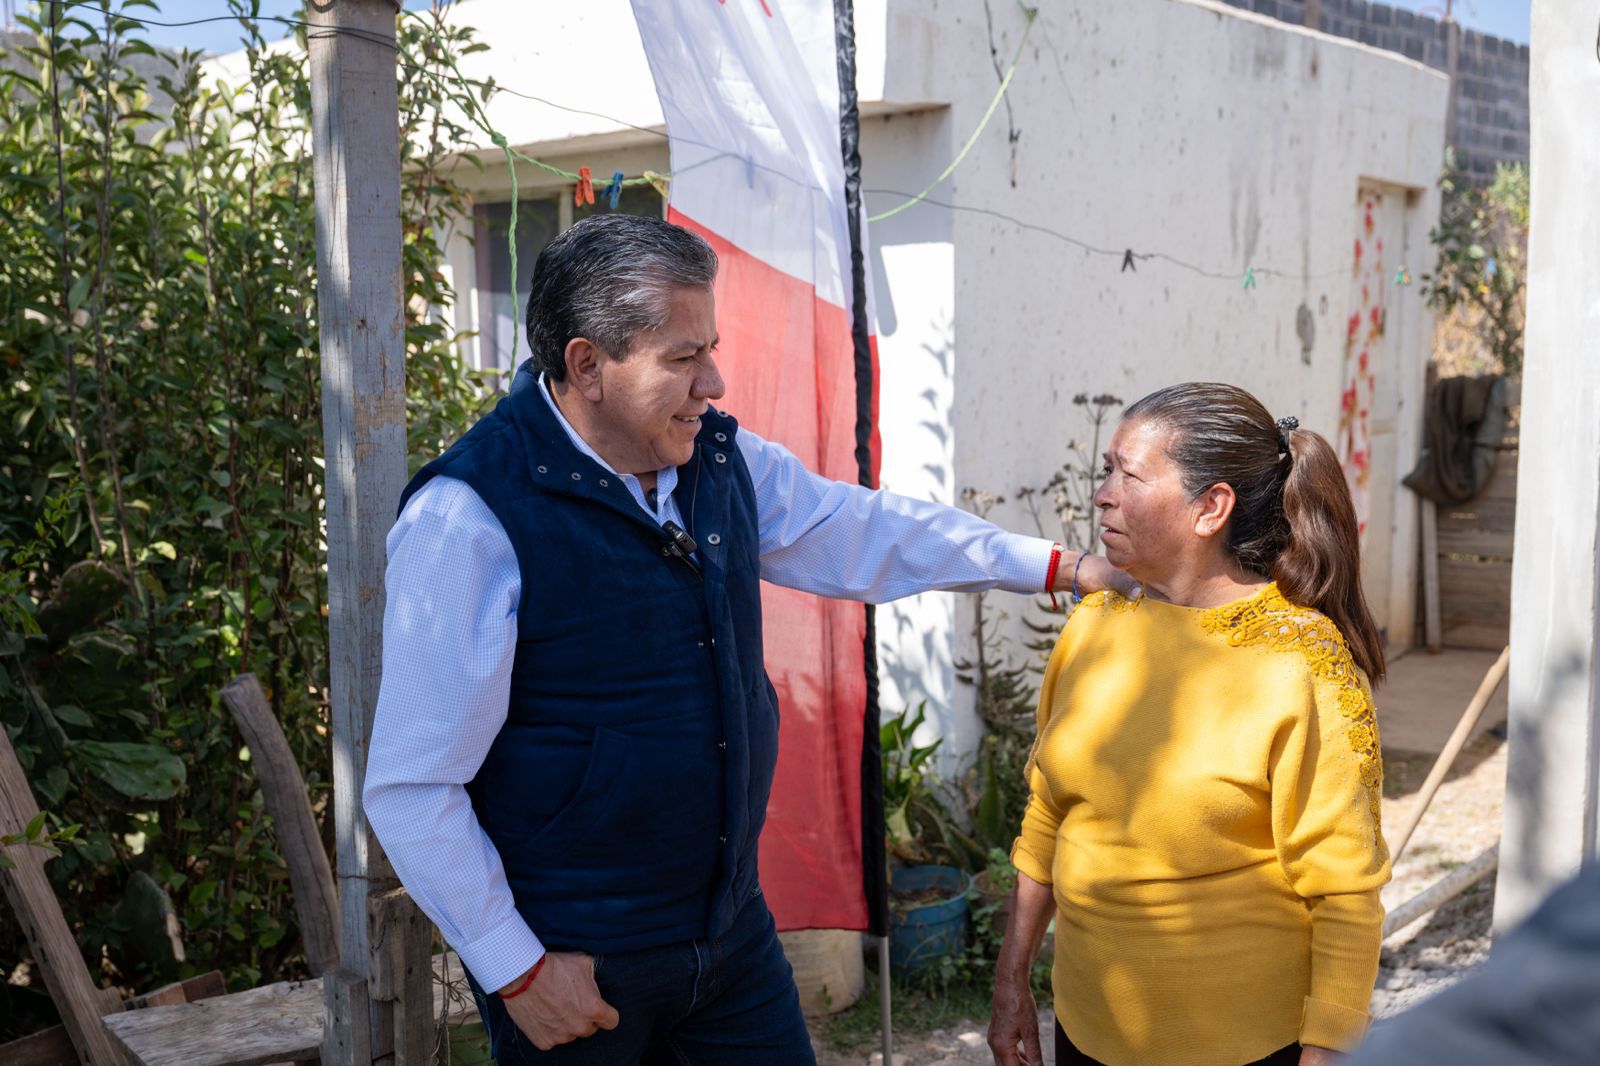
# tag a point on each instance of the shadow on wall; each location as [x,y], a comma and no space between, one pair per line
[915,654]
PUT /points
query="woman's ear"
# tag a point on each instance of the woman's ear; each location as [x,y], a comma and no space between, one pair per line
[1213,509]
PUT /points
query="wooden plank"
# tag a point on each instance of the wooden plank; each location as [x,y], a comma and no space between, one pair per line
[53,1047]
[1464,539]
[263,1025]
[1430,576]
[348,1016]
[1475,603]
[360,293]
[48,1047]
[283,788]
[276,1023]
[202,986]
[402,940]
[50,939]
[1442,891]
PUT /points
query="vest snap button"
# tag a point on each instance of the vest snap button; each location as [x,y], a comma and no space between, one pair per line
[604,483]
[722,745]
[544,470]
[721,458]
[702,643]
[722,436]
[722,840]
[713,540]
[577,477]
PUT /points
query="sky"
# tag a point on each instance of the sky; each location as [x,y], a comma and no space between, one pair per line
[1507,19]
[1498,18]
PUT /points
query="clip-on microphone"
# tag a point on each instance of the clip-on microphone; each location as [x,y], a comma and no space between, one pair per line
[680,544]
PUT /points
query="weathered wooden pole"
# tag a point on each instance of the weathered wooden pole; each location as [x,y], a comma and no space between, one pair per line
[360,294]
[54,948]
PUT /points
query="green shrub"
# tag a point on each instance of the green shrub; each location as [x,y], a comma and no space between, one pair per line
[160,469]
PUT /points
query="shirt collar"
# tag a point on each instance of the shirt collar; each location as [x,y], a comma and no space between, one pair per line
[666,478]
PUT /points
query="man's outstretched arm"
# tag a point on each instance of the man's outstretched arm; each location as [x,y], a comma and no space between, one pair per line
[845,541]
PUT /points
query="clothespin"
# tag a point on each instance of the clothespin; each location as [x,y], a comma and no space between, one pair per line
[614,190]
[584,193]
[1249,277]
[658,182]
[1402,276]
[1127,262]
[1490,267]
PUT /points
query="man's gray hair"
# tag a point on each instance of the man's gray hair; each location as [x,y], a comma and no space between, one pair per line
[608,279]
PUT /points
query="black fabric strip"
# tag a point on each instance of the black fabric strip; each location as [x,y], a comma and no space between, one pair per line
[874,872]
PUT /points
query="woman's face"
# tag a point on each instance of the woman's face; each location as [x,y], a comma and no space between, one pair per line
[1147,518]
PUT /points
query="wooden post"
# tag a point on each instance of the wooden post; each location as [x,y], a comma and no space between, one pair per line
[360,294]
[284,789]
[55,949]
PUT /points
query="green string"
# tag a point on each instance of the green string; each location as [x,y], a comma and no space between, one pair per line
[1005,83]
[477,115]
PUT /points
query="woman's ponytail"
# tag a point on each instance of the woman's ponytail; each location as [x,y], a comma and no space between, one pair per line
[1293,520]
[1320,566]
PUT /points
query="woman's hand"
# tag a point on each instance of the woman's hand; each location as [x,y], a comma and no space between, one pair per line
[1095,574]
[1319,1056]
[1014,1024]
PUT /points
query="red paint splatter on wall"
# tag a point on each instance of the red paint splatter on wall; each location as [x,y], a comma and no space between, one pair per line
[1363,340]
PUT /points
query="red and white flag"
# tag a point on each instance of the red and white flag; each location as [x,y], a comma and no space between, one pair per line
[750,92]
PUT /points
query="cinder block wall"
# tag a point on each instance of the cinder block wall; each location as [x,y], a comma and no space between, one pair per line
[1491,100]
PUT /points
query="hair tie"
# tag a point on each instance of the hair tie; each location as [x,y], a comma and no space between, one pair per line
[1286,426]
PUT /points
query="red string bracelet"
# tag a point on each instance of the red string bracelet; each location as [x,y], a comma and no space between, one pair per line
[528,980]
[1050,576]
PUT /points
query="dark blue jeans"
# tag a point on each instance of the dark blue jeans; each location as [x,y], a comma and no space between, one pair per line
[729,1001]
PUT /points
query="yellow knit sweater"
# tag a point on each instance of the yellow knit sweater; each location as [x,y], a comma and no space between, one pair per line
[1205,805]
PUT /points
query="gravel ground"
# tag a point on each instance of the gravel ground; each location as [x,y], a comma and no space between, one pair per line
[1417,962]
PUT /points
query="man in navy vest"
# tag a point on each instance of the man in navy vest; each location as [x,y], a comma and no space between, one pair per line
[575,736]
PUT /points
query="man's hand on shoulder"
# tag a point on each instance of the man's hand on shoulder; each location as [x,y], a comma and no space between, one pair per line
[562,1004]
[1094,574]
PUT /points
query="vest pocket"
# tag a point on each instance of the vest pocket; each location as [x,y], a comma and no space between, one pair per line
[574,821]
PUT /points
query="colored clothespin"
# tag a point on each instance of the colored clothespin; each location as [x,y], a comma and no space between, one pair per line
[584,193]
[1127,262]
[658,182]
[1402,276]
[1249,277]
[614,190]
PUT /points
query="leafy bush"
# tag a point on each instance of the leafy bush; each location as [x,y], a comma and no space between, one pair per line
[160,470]
[1479,284]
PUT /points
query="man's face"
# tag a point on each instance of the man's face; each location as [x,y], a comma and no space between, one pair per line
[652,400]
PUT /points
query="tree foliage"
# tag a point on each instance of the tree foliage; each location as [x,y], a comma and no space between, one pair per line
[161,465]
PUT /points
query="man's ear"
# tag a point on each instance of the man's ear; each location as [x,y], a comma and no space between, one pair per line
[583,360]
[1213,509]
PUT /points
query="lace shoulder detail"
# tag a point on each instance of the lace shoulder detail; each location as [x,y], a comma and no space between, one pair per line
[1109,599]
[1268,620]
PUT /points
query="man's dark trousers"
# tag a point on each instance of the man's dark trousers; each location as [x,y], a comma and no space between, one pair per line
[726,1001]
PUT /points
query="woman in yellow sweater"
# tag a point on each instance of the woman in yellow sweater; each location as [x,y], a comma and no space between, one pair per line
[1204,822]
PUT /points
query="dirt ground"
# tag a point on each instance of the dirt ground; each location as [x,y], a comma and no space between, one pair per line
[1417,962]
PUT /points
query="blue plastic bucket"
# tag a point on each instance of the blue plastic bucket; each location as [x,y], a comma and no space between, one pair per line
[920,936]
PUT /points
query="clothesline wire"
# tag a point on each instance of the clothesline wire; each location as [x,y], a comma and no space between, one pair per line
[479,118]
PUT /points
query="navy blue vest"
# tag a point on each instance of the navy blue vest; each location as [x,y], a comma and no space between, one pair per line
[627,789]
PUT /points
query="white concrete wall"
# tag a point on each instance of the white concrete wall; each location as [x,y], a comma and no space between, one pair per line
[1217,137]
[1551,794]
